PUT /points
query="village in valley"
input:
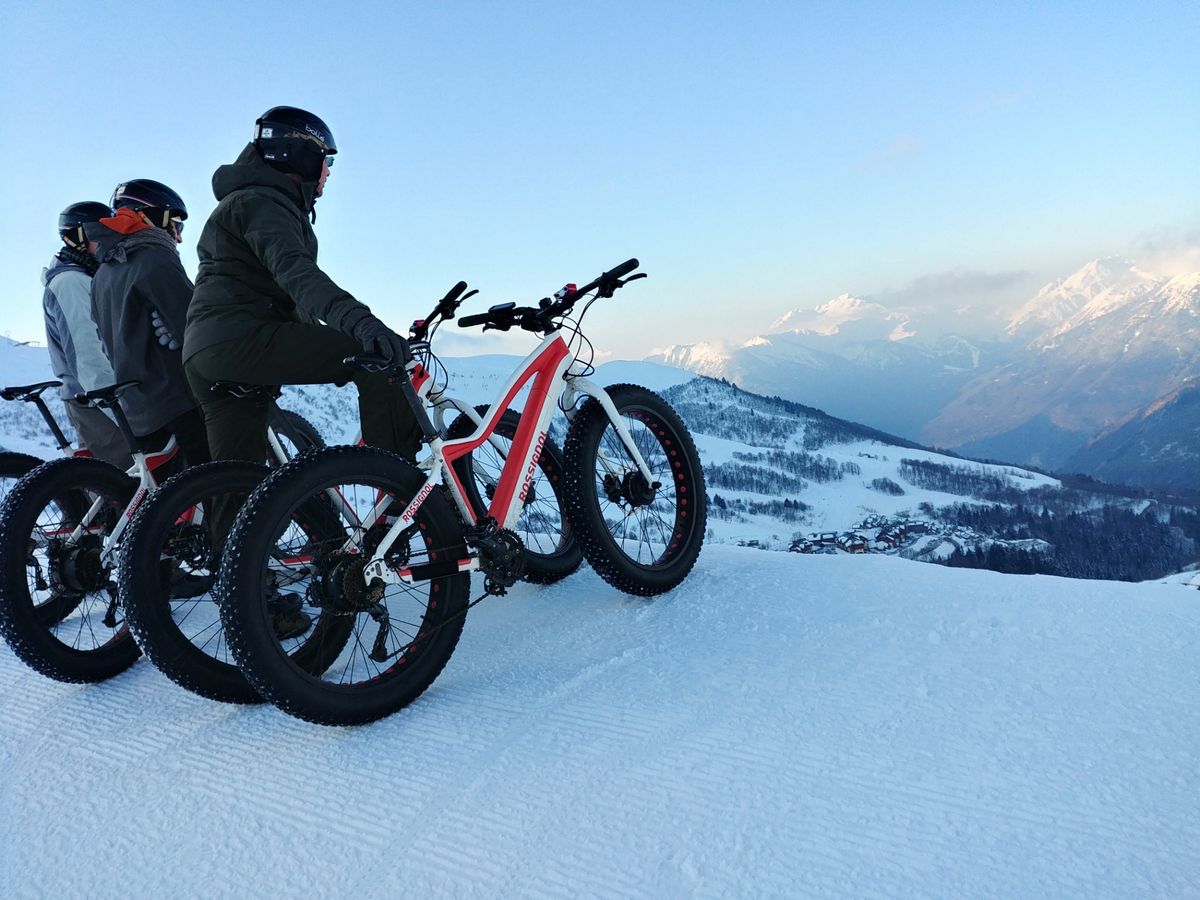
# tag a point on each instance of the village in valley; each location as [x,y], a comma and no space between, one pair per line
[921,539]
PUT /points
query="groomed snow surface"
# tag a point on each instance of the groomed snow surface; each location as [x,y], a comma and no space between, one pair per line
[780,726]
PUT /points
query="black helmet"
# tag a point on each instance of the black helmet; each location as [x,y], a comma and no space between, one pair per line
[295,141]
[154,198]
[71,219]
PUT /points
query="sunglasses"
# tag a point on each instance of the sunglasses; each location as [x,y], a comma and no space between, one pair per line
[178,223]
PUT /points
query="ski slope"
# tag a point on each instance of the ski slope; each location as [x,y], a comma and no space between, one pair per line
[780,726]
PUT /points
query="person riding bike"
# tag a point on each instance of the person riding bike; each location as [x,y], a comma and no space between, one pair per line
[264,313]
[76,354]
[140,296]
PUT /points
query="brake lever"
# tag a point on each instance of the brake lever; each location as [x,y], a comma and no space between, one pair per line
[450,310]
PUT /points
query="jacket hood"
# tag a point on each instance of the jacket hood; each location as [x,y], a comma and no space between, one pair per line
[249,170]
[115,246]
[113,230]
[56,265]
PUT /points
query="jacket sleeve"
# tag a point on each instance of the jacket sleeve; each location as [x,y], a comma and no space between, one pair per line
[165,287]
[92,368]
[277,238]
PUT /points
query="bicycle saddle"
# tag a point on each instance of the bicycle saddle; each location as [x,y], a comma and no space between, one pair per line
[28,391]
[105,396]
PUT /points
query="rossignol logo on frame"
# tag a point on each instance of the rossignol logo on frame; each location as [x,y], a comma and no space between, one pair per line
[537,453]
[416,504]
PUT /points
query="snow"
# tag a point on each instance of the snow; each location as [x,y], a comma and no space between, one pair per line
[781,725]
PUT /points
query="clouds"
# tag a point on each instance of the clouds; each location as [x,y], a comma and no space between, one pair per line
[1168,252]
[961,301]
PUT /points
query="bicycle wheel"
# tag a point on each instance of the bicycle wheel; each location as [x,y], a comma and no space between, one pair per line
[400,636]
[642,538]
[58,600]
[551,551]
[168,569]
[14,467]
[295,432]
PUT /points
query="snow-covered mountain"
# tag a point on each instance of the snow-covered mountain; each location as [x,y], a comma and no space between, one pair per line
[778,471]
[852,358]
[1084,354]
[1100,285]
[848,317]
[1158,446]
[1134,340]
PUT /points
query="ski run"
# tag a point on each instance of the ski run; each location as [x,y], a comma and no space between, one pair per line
[780,726]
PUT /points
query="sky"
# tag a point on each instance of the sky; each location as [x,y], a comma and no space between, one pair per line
[756,157]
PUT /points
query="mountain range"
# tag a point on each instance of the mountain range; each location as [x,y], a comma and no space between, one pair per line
[1106,345]
[779,472]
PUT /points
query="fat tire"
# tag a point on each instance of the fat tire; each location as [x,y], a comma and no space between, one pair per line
[603,553]
[26,627]
[147,605]
[14,467]
[297,429]
[247,627]
[540,568]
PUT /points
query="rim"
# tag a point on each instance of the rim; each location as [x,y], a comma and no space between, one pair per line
[376,634]
[189,564]
[648,525]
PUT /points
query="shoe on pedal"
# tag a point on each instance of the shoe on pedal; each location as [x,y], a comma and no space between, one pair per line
[287,617]
[183,585]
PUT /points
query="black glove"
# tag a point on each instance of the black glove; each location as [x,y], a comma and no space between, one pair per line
[380,340]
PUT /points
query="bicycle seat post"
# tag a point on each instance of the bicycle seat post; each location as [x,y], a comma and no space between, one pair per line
[123,425]
[63,443]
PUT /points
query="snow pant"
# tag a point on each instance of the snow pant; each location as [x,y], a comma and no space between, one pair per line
[289,353]
[99,434]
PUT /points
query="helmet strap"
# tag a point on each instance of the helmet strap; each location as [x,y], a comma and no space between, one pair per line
[75,237]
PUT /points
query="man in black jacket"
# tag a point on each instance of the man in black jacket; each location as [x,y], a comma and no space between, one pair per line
[140,296]
[260,300]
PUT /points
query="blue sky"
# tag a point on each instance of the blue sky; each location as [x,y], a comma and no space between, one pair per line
[756,156]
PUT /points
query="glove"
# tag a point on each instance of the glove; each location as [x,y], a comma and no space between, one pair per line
[380,340]
[161,331]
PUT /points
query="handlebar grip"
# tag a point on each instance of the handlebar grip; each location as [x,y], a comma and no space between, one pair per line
[477,319]
[622,270]
[453,294]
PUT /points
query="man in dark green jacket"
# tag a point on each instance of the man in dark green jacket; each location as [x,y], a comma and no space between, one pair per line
[260,300]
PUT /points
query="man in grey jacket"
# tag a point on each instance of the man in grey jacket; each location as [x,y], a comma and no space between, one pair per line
[140,296]
[76,354]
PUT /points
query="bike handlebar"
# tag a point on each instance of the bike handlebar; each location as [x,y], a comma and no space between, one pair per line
[504,316]
[607,282]
[445,309]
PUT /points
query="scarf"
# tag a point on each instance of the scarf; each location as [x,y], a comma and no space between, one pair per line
[76,256]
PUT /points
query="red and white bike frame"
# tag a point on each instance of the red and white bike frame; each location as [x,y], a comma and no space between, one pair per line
[144,465]
[433,395]
[550,373]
